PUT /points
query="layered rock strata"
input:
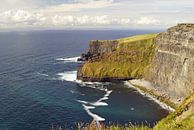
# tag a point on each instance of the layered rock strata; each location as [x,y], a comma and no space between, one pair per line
[172,68]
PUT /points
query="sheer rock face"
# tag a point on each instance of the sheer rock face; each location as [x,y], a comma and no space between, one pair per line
[97,48]
[172,68]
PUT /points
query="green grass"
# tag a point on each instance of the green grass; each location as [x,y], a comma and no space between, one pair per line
[137,38]
[129,60]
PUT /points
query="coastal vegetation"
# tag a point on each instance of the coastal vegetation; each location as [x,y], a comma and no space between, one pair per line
[130,58]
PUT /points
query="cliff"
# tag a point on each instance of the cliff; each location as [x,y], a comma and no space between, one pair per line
[172,68]
[164,60]
[120,59]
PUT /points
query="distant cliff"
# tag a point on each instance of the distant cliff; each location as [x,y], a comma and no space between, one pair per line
[120,59]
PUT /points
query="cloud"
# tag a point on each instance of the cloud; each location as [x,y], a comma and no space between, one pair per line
[86,20]
[95,13]
[25,18]
[79,5]
[22,18]
[147,21]
[19,4]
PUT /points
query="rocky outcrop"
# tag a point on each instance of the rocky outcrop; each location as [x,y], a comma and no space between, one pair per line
[172,68]
[97,48]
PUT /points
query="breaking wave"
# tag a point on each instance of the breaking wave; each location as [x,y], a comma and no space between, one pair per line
[69,59]
[94,116]
[71,76]
[68,76]
[41,74]
[92,105]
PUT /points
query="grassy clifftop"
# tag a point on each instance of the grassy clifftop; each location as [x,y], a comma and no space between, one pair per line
[129,59]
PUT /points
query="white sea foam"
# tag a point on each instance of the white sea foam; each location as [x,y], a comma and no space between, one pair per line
[69,59]
[99,102]
[68,76]
[46,75]
[84,102]
[76,92]
[108,93]
[88,107]
[71,76]
[94,85]
[104,98]
[94,116]
[92,105]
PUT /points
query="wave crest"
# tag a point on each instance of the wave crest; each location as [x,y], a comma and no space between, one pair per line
[68,76]
[69,59]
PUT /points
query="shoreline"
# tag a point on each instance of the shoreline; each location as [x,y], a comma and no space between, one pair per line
[162,104]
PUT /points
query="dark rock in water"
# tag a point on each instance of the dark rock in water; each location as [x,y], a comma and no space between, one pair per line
[85,57]
[108,79]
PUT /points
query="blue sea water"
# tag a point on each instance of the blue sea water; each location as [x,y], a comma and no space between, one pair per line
[38,88]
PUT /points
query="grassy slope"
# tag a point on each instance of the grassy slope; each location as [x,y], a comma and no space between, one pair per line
[130,59]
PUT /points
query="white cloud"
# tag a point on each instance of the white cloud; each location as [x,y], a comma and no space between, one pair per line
[22,18]
[19,4]
[112,13]
[81,5]
[147,21]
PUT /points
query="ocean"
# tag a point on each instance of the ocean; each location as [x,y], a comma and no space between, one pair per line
[38,86]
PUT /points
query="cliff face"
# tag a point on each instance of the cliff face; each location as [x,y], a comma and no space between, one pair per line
[120,59]
[172,68]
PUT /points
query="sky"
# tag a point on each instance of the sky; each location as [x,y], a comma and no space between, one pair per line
[64,14]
